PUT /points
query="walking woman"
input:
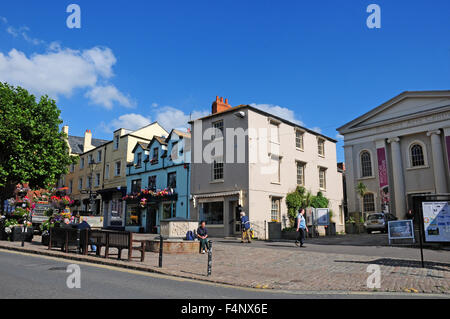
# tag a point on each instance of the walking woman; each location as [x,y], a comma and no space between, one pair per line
[301,227]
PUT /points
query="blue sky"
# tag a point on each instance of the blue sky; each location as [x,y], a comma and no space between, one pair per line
[132,62]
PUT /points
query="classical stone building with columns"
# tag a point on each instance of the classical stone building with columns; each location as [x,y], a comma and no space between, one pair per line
[398,149]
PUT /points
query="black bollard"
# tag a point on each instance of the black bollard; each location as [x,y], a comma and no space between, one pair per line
[161,243]
[209,258]
[23,236]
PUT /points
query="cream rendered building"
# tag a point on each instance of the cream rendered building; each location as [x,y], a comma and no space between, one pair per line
[304,158]
[398,149]
[102,169]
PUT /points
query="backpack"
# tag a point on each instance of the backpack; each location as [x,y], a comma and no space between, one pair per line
[190,235]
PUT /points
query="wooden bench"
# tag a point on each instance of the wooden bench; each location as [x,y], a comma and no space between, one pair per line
[116,239]
[68,238]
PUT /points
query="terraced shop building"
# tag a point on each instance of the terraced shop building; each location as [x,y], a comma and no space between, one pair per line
[101,171]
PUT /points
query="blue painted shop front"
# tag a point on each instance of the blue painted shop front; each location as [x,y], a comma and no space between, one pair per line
[158,182]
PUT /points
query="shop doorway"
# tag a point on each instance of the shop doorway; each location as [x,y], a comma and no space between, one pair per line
[151,227]
[234,218]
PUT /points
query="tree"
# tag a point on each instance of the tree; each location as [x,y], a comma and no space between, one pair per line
[302,198]
[319,201]
[32,148]
[361,190]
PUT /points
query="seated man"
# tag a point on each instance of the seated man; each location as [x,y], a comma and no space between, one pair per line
[85,225]
[202,234]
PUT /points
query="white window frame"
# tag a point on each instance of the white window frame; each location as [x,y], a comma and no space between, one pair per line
[217,160]
[374,203]
[98,178]
[302,139]
[119,166]
[217,125]
[409,155]
[107,168]
[303,164]
[321,140]
[323,169]
[274,199]
[360,168]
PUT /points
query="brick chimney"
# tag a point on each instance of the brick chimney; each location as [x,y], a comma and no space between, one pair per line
[87,144]
[219,105]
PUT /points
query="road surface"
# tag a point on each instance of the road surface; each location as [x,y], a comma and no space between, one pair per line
[24,276]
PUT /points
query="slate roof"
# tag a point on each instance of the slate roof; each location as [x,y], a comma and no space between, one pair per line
[76,143]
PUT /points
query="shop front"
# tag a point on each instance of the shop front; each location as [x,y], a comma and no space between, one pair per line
[144,213]
[220,212]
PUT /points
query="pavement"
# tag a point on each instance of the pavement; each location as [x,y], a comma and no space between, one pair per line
[341,267]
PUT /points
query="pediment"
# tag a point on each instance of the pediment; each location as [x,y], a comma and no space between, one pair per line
[403,106]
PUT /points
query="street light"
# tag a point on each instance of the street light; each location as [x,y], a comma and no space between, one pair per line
[92,195]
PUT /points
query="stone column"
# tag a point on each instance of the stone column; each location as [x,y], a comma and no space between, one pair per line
[399,182]
[351,175]
[438,162]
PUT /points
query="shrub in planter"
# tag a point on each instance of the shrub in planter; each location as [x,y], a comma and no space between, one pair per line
[45,238]
[16,234]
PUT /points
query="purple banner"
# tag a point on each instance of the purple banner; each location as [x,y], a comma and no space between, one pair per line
[383,178]
[382,167]
[447,142]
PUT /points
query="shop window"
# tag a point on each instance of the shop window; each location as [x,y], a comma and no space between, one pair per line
[212,213]
[133,215]
[169,210]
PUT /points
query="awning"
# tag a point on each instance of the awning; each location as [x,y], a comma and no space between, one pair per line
[221,194]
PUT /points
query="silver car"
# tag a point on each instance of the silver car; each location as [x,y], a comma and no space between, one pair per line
[378,222]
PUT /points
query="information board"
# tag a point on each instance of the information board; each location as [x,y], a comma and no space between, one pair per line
[322,217]
[400,229]
[436,221]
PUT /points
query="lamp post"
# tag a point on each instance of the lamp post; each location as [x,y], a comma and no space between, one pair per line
[92,194]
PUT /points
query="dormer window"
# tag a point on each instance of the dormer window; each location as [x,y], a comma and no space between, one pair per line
[155,156]
[139,160]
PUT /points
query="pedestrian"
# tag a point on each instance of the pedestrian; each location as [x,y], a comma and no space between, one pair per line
[245,227]
[410,215]
[301,227]
[84,225]
[202,234]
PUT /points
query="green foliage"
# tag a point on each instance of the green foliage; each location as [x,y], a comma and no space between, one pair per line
[11,223]
[32,149]
[319,201]
[361,189]
[302,198]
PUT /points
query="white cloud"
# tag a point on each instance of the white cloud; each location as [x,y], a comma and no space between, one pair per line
[107,96]
[61,71]
[23,32]
[168,117]
[131,121]
[317,129]
[279,111]
[3,20]
[339,137]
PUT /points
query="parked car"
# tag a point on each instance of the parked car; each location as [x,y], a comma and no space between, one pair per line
[378,221]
